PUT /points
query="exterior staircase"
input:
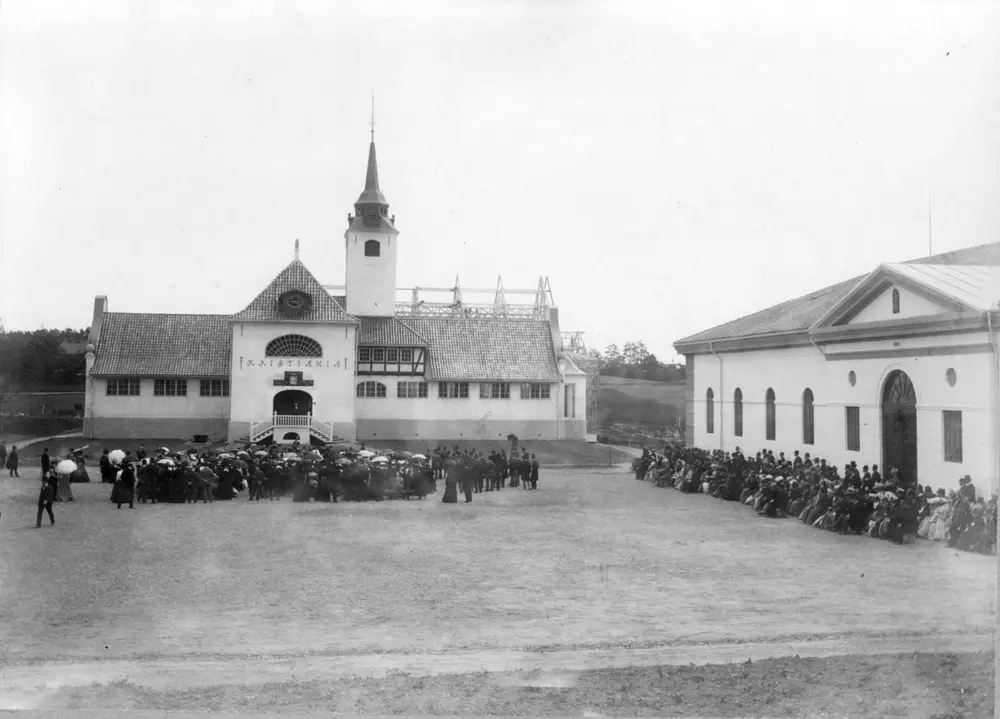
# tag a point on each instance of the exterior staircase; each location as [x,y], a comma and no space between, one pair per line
[276,426]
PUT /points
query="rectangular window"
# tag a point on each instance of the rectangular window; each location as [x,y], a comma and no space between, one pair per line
[214,388]
[123,387]
[378,354]
[569,401]
[411,390]
[952,436]
[406,355]
[853,415]
[392,355]
[364,354]
[170,388]
[494,390]
[453,390]
[534,391]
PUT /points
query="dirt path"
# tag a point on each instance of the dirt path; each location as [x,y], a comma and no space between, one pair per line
[18,684]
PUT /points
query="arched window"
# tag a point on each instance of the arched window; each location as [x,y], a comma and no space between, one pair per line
[373,248]
[710,411]
[895,301]
[738,412]
[371,389]
[293,346]
[769,415]
[808,418]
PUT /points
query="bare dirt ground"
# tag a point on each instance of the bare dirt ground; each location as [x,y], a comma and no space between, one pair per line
[593,561]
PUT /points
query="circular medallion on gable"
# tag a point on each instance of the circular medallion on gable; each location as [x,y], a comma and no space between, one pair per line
[951,376]
[294,303]
[852,378]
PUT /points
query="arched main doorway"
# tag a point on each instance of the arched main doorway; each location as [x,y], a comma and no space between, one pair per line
[293,401]
[899,427]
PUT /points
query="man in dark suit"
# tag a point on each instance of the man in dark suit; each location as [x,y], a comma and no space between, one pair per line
[534,472]
[46,496]
[46,462]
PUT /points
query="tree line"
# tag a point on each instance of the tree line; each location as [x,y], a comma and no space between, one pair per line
[37,361]
[635,361]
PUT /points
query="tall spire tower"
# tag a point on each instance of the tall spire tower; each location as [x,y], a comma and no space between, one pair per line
[371,246]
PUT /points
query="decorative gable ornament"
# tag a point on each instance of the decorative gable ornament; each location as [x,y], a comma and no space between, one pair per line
[294,303]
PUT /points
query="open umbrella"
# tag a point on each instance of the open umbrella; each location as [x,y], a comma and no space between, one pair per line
[66,467]
[163,450]
[225,455]
[242,455]
[260,453]
[316,453]
[116,456]
[366,453]
[379,460]
[166,462]
[936,500]
[418,456]
[344,461]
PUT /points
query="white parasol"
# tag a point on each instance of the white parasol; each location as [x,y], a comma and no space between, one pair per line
[116,456]
[366,453]
[936,500]
[344,461]
[419,456]
[163,450]
[316,453]
[225,455]
[66,467]
[241,454]
[166,461]
[260,453]
[380,460]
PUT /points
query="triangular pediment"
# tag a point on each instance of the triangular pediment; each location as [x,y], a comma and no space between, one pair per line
[295,295]
[894,293]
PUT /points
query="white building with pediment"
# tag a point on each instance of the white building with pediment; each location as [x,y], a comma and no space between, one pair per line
[898,368]
[300,362]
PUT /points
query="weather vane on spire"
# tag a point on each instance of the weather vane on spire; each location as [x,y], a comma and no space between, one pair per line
[373,116]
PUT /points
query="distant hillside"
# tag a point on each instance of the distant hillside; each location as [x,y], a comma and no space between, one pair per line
[653,405]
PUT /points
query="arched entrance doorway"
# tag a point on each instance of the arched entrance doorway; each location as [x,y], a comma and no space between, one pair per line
[899,427]
[293,401]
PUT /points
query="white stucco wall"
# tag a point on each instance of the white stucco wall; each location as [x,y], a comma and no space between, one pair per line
[910,305]
[371,281]
[788,372]
[252,387]
[147,405]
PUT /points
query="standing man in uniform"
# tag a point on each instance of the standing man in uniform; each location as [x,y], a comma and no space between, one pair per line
[46,462]
[534,472]
[465,470]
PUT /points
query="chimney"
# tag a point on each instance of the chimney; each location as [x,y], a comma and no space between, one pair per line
[557,344]
[100,307]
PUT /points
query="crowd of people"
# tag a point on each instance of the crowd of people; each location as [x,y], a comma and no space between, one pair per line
[855,501]
[328,474]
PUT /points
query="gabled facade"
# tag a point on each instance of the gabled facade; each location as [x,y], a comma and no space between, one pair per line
[298,362]
[898,368]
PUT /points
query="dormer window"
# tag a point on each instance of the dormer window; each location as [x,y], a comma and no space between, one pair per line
[895,301]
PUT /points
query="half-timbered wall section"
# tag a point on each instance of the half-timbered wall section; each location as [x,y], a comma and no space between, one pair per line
[391,360]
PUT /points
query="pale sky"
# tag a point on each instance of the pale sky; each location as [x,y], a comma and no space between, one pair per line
[668,166]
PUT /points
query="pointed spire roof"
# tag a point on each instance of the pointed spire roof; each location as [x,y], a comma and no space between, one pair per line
[372,195]
[320,307]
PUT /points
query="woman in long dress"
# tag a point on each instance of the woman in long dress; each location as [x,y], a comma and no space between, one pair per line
[450,488]
[63,491]
[80,475]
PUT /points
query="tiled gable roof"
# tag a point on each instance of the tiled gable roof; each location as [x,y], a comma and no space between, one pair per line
[388,332]
[799,314]
[488,349]
[133,344]
[294,277]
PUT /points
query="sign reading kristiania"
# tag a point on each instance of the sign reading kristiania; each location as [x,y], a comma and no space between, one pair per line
[275,363]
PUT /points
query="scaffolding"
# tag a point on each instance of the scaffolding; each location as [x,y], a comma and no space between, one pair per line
[427,301]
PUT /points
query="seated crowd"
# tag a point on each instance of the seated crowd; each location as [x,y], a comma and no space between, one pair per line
[857,501]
